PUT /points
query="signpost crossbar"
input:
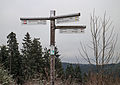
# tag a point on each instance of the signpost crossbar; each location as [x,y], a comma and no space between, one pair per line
[51,18]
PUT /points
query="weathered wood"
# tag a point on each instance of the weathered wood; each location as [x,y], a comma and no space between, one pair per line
[70,27]
[52,17]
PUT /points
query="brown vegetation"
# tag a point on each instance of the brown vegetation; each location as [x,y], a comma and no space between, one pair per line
[102,80]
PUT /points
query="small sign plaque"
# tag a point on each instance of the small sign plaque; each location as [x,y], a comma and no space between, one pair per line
[52,50]
[33,22]
[70,31]
[69,19]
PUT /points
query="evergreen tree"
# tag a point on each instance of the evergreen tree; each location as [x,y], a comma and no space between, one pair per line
[77,73]
[4,56]
[58,64]
[69,72]
[26,45]
[36,56]
[32,57]
[46,59]
[14,58]
[26,56]
[85,77]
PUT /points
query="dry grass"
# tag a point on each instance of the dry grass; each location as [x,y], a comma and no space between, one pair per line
[95,79]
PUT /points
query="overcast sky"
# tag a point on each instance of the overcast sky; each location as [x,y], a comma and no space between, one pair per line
[68,44]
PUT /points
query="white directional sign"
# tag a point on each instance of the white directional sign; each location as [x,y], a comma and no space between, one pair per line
[70,31]
[34,22]
[69,19]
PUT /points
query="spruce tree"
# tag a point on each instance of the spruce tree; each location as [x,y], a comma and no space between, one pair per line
[46,59]
[36,56]
[14,58]
[58,64]
[26,45]
[4,56]
[26,57]
[85,77]
[69,72]
[77,73]
[32,57]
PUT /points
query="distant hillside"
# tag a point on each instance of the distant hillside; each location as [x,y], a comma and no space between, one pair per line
[85,68]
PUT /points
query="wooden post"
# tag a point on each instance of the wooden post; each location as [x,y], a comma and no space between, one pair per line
[52,45]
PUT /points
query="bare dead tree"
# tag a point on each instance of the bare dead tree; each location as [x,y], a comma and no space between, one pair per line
[103,42]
